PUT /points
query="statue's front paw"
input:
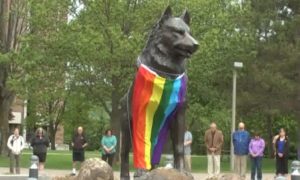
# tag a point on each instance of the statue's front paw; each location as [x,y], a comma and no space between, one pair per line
[140,174]
[185,172]
[125,178]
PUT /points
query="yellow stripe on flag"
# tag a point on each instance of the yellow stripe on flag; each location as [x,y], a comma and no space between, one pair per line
[152,106]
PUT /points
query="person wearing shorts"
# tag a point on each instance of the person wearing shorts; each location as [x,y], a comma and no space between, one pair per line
[40,143]
[78,143]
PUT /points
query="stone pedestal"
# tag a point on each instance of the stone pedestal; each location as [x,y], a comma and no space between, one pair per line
[21,177]
[166,174]
[229,177]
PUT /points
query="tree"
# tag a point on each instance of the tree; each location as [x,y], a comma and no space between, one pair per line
[270,85]
[74,70]
[105,49]
[13,23]
[43,65]
[107,46]
[225,36]
[80,111]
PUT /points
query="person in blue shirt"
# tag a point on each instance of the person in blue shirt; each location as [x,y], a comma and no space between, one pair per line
[241,139]
[108,143]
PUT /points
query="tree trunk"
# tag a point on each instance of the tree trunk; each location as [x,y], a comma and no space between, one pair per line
[52,139]
[6,100]
[52,132]
[298,141]
[115,114]
[12,18]
[270,136]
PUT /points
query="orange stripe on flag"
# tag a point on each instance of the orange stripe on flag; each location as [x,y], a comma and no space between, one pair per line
[139,103]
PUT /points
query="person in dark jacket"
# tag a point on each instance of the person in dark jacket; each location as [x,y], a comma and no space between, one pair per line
[40,143]
[281,151]
[79,143]
[241,139]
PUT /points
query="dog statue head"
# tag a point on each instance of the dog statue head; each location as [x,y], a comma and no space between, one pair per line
[170,43]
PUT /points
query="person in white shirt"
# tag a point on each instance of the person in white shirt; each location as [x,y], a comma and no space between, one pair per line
[15,144]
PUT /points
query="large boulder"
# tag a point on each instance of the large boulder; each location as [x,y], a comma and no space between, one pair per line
[95,169]
[166,174]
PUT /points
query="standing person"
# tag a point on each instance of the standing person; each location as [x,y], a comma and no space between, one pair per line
[281,149]
[213,141]
[188,139]
[241,140]
[79,143]
[15,144]
[40,143]
[256,151]
[108,143]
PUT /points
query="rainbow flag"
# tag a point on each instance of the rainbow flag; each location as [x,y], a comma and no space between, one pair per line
[155,101]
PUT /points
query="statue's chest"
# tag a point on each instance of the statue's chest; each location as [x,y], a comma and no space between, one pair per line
[156,97]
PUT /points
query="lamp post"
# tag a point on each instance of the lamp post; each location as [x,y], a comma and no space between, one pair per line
[237,65]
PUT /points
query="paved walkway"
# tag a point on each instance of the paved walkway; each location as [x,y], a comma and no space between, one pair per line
[55,173]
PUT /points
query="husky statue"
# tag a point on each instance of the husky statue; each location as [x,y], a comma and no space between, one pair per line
[155,103]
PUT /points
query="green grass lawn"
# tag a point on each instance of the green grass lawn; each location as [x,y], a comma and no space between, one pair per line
[63,160]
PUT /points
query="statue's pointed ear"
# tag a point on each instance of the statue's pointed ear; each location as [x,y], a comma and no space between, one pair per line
[186,17]
[166,15]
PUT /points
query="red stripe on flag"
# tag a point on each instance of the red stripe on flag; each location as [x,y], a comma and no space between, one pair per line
[140,101]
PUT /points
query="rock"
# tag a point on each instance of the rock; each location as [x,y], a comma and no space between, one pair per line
[64,178]
[229,177]
[95,169]
[166,174]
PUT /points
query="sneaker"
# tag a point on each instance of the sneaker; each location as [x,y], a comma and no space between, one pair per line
[73,172]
